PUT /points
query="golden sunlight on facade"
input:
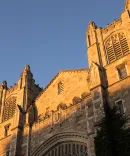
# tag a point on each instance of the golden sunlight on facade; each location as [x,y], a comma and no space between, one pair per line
[60,119]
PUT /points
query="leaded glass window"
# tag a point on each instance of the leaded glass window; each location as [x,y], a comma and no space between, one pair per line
[9,108]
[116,46]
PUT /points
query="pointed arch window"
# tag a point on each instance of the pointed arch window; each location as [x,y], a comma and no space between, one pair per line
[116,46]
[60,87]
[9,108]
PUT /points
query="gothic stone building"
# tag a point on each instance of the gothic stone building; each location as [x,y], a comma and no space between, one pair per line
[61,119]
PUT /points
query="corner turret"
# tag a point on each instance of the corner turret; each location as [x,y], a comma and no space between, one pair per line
[93,44]
[127,5]
[3,85]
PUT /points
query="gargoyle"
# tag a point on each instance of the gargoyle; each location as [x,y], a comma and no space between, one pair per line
[23,111]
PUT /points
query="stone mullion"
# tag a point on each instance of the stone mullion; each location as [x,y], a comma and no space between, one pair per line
[10,110]
[56,151]
[7,111]
[64,148]
[13,106]
[53,152]
[120,45]
[60,150]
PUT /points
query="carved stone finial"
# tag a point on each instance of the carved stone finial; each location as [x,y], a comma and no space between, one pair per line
[92,25]
[127,1]
[4,84]
[27,68]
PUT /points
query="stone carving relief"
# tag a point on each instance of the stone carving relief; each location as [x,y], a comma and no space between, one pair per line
[61,106]
[47,113]
[93,75]
[76,100]
[56,117]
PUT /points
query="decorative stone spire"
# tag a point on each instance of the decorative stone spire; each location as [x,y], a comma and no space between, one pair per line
[26,70]
[26,78]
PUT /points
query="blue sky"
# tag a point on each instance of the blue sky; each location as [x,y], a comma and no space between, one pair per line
[49,35]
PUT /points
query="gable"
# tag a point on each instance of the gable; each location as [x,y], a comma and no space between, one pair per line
[74,84]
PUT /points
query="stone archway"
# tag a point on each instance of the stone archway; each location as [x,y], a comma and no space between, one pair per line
[64,144]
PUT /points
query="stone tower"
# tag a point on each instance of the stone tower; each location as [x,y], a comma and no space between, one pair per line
[12,119]
[100,50]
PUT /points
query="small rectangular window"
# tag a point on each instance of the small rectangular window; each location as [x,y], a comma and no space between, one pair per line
[60,87]
[120,106]
[6,132]
[7,153]
[122,72]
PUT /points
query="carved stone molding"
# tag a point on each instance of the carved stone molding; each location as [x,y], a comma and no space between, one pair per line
[59,138]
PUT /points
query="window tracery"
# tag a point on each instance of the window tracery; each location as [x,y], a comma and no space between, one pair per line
[116,46]
[9,108]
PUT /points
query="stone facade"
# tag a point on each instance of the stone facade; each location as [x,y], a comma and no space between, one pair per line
[61,119]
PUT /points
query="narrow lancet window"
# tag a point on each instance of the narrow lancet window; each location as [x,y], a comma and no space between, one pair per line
[60,87]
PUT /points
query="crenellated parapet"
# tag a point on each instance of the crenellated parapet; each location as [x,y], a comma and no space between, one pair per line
[13,88]
[111,27]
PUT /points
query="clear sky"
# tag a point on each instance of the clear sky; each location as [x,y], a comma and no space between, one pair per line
[49,35]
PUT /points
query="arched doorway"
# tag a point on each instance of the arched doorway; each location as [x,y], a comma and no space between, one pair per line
[68,149]
[64,144]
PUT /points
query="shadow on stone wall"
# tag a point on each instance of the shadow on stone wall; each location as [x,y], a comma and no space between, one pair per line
[77,117]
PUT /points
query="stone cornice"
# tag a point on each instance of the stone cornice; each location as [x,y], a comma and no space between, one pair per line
[111,26]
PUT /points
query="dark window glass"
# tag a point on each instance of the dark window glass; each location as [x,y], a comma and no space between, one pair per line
[122,72]
[120,106]
[60,87]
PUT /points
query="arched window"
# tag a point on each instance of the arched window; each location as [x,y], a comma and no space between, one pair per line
[9,108]
[60,87]
[116,46]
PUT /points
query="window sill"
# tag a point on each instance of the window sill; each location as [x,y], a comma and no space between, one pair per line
[119,80]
